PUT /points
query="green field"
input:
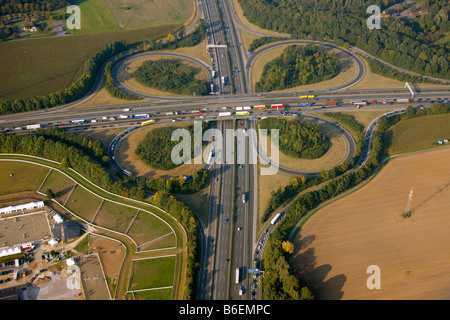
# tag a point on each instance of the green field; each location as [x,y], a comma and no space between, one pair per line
[59,184]
[114,216]
[160,294]
[136,13]
[146,227]
[152,273]
[83,203]
[417,133]
[18,177]
[95,17]
[41,66]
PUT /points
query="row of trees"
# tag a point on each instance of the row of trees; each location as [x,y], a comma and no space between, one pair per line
[171,76]
[258,42]
[409,44]
[190,40]
[298,140]
[199,180]
[298,65]
[77,90]
[20,6]
[382,70]
[93,148]
[301,183]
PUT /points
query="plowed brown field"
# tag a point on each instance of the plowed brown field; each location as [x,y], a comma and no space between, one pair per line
[337,244]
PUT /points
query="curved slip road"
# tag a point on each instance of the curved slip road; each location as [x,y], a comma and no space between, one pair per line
[358,61]
[119,65]
[350,151]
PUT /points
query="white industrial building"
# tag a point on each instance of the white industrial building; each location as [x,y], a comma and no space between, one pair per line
[21,207]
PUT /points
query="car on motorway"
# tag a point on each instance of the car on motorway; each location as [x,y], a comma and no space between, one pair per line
[226,220]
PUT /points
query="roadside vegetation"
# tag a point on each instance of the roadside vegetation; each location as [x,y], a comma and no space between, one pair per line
[172,76]
[298,140]
[156,148]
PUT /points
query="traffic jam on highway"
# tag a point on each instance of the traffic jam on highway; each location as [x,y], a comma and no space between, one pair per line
[307,102]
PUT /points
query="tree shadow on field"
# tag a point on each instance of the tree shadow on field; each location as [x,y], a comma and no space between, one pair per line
[387,141]
[304,267]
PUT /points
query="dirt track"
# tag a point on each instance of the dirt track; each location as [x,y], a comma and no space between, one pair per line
[335,247]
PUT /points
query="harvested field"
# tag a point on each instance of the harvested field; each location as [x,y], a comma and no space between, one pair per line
[337,244]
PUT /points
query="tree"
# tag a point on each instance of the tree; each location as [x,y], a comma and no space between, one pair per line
[169,37]
[382,124]
[64,163]
[288,246]
[50,194]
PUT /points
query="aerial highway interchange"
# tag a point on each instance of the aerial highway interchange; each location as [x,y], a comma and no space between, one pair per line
[230,241]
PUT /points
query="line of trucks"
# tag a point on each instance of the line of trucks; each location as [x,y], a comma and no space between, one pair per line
[240,111]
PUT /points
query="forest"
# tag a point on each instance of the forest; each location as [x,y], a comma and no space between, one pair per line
[170,76]
[410,44]
[298,65]
[298,140]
